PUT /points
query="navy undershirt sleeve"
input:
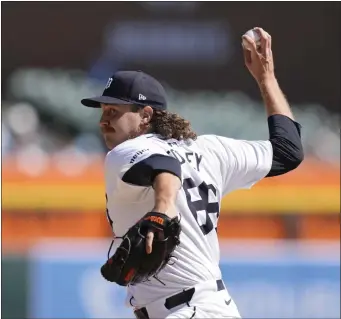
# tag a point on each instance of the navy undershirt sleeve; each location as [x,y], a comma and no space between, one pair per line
[285,137]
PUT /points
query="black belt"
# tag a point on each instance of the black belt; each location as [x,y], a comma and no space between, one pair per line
[176,300]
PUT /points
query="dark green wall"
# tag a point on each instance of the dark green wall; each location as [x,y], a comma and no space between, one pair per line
[14,287]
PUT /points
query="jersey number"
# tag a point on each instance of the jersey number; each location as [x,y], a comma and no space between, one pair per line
[202,205]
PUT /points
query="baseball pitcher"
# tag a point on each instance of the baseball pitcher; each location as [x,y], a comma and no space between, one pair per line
[164,186]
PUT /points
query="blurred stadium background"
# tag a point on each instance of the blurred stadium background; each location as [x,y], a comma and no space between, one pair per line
[280,241]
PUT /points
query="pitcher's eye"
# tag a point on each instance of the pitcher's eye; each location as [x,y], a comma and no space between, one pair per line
[112,111]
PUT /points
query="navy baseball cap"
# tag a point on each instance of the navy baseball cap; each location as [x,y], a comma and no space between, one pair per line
[131,87]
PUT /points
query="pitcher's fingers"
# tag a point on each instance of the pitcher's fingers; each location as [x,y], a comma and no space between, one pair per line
[149,242]
[268,43]
[252,46]
[247,56]
[263,41]
[249,40]
[266,38]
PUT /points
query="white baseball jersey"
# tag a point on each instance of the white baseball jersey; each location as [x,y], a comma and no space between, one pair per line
[211,167]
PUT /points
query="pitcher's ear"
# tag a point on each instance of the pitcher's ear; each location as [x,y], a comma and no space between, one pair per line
[146,114]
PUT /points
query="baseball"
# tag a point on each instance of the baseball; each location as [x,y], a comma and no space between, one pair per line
[253,35]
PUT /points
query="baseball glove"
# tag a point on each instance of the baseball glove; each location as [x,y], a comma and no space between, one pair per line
[131,264]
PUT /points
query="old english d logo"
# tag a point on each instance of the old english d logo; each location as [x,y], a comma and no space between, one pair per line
[108,83]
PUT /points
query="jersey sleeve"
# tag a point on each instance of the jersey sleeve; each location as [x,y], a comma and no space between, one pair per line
[137,162]
[242,163]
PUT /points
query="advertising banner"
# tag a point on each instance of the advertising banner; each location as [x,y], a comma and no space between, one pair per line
[282,282]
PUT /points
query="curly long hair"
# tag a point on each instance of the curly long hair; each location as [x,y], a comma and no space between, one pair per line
[170,125]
